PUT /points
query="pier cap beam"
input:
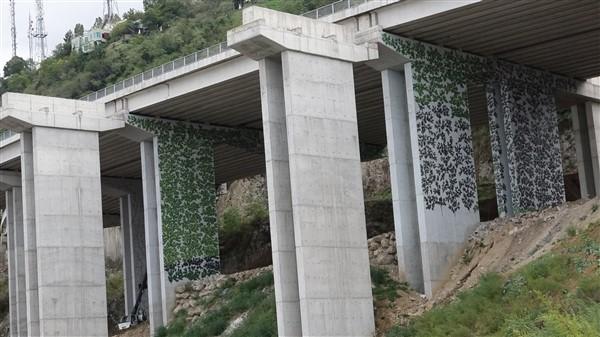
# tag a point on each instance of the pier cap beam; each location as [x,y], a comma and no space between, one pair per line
[267,32]
[20,112]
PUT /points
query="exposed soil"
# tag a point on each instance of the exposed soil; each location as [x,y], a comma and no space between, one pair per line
[502,246]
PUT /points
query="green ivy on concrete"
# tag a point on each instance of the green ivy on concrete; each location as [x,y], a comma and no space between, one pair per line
[187,192]
[440,79]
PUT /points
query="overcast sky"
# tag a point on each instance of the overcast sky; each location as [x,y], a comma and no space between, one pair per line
[60,16]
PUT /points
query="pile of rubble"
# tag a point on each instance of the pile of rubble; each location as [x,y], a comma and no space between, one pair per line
[382,249]
[191,296]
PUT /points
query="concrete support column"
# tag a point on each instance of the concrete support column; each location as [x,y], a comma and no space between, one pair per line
[592,110]
[406,222]
[313,170]
[327,198]
[11,256]
[69,237]
[128,256]
[582,134]
[29,226]
[19,253]
[134,247]
[525,140]
[281,219]
[443,226]
[153,233]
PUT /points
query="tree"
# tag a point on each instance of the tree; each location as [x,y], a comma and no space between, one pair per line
[98,22]
[78,31]
[15,66]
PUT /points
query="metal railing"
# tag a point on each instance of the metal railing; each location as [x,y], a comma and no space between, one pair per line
[157,71]
[333,8]
[5,134]
[208,52]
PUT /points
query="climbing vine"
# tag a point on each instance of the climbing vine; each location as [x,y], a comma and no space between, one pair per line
[524,128]
[187,192]
[529,127]
[440,80]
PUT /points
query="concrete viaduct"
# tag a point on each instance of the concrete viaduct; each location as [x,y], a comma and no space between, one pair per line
[300,99]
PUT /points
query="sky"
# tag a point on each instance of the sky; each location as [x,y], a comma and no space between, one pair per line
[59,17]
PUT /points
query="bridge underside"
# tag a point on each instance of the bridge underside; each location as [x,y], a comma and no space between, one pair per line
[301,116]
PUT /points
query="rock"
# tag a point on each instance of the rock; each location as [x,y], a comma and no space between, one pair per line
[385,243]
[384,259]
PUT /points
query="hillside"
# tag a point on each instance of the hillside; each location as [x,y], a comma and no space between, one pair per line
[534,275]
[174,28]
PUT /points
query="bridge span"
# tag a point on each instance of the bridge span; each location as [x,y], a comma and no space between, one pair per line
[301,100]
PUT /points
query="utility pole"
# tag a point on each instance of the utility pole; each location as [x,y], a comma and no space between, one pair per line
[40,33]
[13,28]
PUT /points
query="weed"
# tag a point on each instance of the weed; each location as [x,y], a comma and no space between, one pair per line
[589,288]
[254,296]
[546,298]
[384,287]
[571,231]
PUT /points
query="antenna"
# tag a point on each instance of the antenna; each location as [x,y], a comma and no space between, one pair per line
[30,37]
[110,11]
[40,33]
[13,28]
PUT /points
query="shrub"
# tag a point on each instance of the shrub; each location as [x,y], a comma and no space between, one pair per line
[589,288]
[232,220]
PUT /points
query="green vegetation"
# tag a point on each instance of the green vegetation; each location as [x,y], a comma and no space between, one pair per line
[174,28]
[235,221]
[557,295]
[114,293]
[254,297]
[4,306]
[384,287]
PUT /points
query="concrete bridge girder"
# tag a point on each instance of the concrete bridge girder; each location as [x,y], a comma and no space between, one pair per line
[299,164]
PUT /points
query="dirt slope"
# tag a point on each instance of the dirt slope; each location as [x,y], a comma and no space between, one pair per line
[502,246]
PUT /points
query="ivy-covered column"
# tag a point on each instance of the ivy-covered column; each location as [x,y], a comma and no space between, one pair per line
[525,138]
[187,224]
[442,153]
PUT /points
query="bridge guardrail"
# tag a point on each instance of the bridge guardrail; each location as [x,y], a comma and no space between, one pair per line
[208,52]
[5,134]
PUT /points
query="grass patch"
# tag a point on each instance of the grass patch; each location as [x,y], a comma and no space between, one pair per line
[255,296]
[384,287]
[557,295]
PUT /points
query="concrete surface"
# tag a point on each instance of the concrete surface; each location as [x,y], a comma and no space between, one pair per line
[70,249]
[13,318]
[19,251]
[592,111]
[285,270]
[582,134]
[442,231]
[153,234]
[406,222]
[327,198]
[29,224]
